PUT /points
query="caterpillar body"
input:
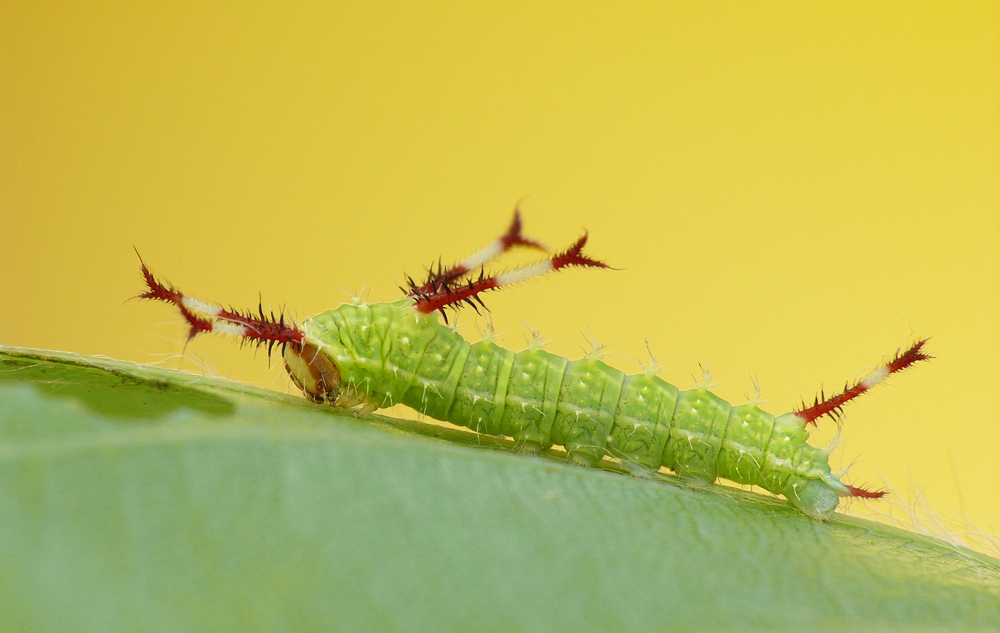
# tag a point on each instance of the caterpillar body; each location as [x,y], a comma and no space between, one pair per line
[369,356]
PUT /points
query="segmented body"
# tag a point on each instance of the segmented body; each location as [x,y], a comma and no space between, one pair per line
[369,356]
[388,353]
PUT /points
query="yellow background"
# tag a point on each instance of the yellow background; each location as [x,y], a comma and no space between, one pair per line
[792,193]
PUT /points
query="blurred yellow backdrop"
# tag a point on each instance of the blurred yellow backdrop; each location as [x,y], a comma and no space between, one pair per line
[791,190]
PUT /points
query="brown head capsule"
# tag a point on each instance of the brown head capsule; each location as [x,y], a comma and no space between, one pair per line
[312,372]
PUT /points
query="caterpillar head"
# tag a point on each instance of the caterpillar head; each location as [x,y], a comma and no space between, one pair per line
[313,372]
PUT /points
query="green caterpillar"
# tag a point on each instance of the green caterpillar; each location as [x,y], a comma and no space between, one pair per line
[369,356]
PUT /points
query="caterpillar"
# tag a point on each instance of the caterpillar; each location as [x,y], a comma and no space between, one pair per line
[368,356]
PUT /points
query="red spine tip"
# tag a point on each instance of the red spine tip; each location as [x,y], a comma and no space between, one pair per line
[156,290]
[513,236]
[866,494]
[910,356]
[574,257]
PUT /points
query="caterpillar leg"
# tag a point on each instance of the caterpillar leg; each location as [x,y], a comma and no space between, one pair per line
[310,370]
[443,278]
[528,447]
[581,458]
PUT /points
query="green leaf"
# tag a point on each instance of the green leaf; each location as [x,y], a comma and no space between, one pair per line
[135,498]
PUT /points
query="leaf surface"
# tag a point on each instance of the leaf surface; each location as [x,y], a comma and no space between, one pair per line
[134,498]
